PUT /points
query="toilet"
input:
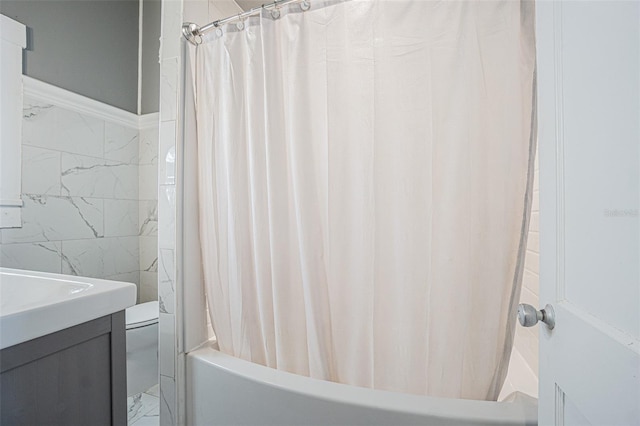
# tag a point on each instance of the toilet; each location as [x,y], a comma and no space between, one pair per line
[142,347]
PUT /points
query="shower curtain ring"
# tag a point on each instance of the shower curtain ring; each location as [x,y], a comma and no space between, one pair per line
[275,13]
[240,23]
[305,5]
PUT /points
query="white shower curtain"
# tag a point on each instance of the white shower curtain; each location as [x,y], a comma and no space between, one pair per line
[364,177]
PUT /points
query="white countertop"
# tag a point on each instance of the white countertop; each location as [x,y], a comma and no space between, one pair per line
[33,304]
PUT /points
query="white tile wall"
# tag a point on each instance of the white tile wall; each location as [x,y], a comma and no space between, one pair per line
[38,116]
[167,345]
[147,223]
[174,12]
[129,277]
[148,286]
[44,257]
[148,217]
[55,218]
[98,177]
[166,288]
[148,254]
[167,216]
[79,133]
[40,171]
[121,143]
[168,401]
[169,80]
[148,182]
[171,21]
[90,197]
[120,217]
[172,17]
[100,257]
[48,126]
[148,145]
[167,166]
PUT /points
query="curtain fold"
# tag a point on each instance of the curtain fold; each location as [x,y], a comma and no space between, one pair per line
[365,180]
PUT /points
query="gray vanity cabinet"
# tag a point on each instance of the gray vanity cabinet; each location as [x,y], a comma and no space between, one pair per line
[76,376]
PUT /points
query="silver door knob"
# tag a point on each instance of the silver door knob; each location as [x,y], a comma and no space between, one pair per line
[529,316]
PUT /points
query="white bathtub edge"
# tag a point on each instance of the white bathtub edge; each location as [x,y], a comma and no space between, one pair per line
[454,410]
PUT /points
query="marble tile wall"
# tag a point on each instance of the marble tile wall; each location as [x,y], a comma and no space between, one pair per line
[89,197]
[148,212]
[168,350]
[170,199]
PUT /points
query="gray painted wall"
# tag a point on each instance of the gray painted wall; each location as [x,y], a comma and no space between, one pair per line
[89,47]
[150,51]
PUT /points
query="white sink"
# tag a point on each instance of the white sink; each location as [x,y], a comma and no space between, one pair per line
[33,304]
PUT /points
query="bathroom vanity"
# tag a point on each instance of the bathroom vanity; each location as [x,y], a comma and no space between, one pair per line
[62,349]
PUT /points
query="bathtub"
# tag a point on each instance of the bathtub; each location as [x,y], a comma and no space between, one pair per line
[224,390]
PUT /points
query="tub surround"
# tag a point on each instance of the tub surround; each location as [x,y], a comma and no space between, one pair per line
[89,190]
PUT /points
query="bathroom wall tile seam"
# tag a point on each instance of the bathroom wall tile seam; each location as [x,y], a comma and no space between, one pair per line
[51,150]
[117,162]
[104,209]
[64,251]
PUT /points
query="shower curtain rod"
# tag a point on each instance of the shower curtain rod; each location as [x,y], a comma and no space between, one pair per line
[193,33]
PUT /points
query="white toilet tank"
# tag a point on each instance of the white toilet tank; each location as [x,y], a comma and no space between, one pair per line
[142,347]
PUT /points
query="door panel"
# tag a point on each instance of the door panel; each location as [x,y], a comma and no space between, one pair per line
[589,143]
[600,131]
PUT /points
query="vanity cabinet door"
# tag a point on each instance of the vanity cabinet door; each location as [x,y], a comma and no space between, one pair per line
[73,377]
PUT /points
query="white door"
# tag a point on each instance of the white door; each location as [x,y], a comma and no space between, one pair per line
[589,139]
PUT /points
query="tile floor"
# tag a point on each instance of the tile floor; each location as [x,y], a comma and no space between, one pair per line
[144,409]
